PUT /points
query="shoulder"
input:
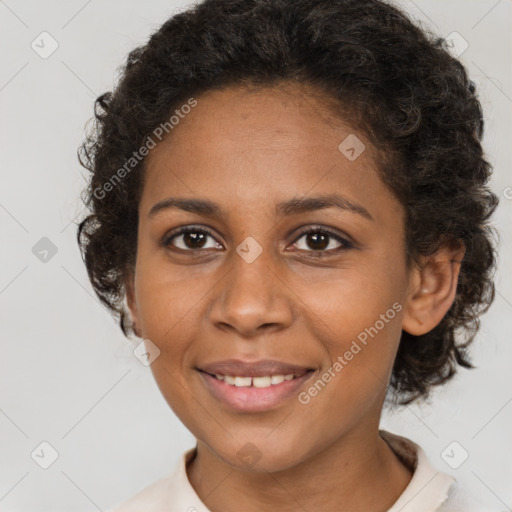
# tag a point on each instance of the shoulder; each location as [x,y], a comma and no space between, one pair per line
[429,490]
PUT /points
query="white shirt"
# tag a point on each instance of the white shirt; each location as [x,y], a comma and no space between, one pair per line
[428,491]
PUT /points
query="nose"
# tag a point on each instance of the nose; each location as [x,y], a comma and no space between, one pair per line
[252,298]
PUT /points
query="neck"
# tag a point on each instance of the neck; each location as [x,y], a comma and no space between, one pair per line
[357,472]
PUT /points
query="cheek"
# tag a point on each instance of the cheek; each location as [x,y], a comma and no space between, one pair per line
[360,344]
[167,298]
[355,297]
[358,317]
[168,303]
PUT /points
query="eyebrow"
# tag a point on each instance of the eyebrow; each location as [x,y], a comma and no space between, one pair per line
[293,206]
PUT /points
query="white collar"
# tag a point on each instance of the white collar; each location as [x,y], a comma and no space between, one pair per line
[428,488]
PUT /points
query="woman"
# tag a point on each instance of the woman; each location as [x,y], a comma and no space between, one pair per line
[288,204]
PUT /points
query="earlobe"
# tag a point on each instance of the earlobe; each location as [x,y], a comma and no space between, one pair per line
[132,305]
[432,290]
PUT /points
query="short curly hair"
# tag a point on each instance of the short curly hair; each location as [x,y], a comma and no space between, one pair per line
[402,88]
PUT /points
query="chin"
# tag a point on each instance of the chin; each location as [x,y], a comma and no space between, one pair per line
[261,454]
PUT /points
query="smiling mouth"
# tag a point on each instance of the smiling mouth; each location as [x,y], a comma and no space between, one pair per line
[251,387]
[263,381]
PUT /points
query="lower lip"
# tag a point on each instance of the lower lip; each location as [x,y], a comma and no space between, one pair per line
[250,398]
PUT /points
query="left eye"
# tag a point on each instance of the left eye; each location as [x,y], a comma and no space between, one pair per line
[320,240]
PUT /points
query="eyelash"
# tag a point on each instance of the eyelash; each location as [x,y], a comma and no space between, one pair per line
[345,244]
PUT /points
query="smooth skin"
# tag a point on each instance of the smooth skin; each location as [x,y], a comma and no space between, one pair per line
[248,150]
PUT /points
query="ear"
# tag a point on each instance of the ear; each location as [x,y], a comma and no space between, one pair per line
[131,302]
[432,288]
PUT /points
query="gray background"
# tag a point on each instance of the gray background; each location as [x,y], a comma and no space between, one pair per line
[67,374]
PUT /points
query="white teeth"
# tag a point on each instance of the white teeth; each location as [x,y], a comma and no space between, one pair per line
[261,382]
[257,382]
[242,382]
[228,379]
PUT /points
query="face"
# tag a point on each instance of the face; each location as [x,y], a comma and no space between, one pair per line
[246,293]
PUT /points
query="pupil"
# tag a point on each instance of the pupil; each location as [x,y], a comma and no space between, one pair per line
[316,238]
[191,239]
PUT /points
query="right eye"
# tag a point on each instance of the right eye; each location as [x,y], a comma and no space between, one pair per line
[190,238]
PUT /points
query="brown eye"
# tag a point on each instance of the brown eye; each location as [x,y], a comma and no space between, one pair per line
[190,239]
[318,239]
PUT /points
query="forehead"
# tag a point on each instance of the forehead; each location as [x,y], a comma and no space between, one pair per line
[267,118]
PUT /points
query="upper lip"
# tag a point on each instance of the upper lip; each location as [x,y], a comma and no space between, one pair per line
[237,367]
